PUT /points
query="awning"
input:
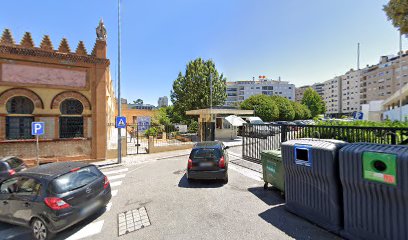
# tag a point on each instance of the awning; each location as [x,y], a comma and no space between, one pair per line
[235,121]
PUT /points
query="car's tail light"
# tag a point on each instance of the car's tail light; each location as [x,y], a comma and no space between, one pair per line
[221,163]
[190,163]
[106,182]
[75,169]
[56,203]
[11,172]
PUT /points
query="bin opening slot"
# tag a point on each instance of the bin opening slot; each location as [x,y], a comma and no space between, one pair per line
[303,155]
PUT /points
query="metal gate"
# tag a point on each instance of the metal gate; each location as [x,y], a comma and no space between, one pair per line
[136,138]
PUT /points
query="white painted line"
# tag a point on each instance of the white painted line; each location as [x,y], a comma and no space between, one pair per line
[88,230]
[115,184]
[114,193]
[108,206]
[246,172]
[116,171]
[115,177]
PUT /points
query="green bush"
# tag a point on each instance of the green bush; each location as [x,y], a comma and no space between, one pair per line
[193,127]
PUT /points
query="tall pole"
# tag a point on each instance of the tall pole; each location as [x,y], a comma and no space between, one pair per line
[211,90]
[119,97]
[400,80]
[358,56]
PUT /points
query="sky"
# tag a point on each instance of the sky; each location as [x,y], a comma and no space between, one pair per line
[302,42]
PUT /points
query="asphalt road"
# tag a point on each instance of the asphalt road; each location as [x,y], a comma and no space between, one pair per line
[241,209]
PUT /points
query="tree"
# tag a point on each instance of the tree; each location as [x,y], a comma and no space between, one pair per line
[397,12]
[286,111]
[301,111]
[138,101]
[312,100]
[191,90]
[263,106]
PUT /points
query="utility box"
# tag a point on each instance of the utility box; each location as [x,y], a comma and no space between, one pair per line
[272,169]
[312,182]
[375,191]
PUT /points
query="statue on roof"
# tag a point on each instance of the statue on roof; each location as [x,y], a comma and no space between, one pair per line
[101,31]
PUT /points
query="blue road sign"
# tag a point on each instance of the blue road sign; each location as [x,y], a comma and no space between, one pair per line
[37,128]
[120,122]
[358,115]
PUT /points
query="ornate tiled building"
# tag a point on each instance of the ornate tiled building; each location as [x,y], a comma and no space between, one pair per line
[71,92]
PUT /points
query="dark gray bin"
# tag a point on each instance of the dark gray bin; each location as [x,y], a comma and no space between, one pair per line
[312,182]
[375,194]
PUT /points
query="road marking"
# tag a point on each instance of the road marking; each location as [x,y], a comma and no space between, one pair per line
[115,184]
[116,177]
[116,171]
[114,193]
[88,230]
[108,206]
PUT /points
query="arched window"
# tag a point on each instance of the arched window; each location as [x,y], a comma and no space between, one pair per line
[18,125]
[71,121]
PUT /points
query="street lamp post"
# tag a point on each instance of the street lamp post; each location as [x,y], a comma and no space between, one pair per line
[400,80]
[119,97]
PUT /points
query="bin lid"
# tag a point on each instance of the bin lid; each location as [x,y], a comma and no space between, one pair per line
[274,154]
[324,144]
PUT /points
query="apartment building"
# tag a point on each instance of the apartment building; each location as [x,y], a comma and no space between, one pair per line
[379,82]
[319,88]
[350,91]
[240,90]
[300,91]
[332,96]
[163,102]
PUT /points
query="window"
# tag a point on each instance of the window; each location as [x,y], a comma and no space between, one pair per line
[22,186]
[19,127]
[14,162]
[75,180]
[71,123]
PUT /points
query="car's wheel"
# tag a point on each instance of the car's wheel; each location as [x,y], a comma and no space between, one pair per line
[39,230]
[225,180]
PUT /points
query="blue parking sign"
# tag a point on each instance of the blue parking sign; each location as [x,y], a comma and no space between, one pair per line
[120,122]
[358,115]
[37,128]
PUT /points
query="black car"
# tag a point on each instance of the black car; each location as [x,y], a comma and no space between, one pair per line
[208,160]
[9,166]
[53,197]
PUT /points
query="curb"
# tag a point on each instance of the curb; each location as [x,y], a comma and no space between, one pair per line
[174,156]
[109,165]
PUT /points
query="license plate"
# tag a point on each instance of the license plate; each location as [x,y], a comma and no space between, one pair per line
[206,164]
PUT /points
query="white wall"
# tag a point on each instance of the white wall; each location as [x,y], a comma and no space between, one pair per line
[393,114]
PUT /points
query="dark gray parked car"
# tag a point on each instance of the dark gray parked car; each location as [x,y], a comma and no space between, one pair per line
[9,166]
[53,197]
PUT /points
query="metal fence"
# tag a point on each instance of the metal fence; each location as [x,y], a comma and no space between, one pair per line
[138,137]
[256,138]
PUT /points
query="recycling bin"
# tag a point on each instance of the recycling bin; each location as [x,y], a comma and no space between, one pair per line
[272,169]
[375,191]
[312,182]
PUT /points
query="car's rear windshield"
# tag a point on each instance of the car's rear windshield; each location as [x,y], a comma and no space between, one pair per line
[75,179]
[205,153]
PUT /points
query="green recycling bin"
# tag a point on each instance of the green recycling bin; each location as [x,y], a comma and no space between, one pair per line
[272,169]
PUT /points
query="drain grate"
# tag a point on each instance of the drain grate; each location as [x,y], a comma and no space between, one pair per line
[132,220]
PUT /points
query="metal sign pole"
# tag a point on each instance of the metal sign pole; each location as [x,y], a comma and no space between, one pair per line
[37,150]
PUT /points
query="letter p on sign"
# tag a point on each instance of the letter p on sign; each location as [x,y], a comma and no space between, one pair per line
[37,128]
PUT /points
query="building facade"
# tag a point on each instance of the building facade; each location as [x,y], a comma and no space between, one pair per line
[319,88]
[70,91]
[240,90]
[163,102]
[332,96]
[350,92]
[381,81]
[299,92]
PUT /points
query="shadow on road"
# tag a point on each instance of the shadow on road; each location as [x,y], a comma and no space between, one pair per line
[293,225]
[199,183]
[285,221]
[269,196]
